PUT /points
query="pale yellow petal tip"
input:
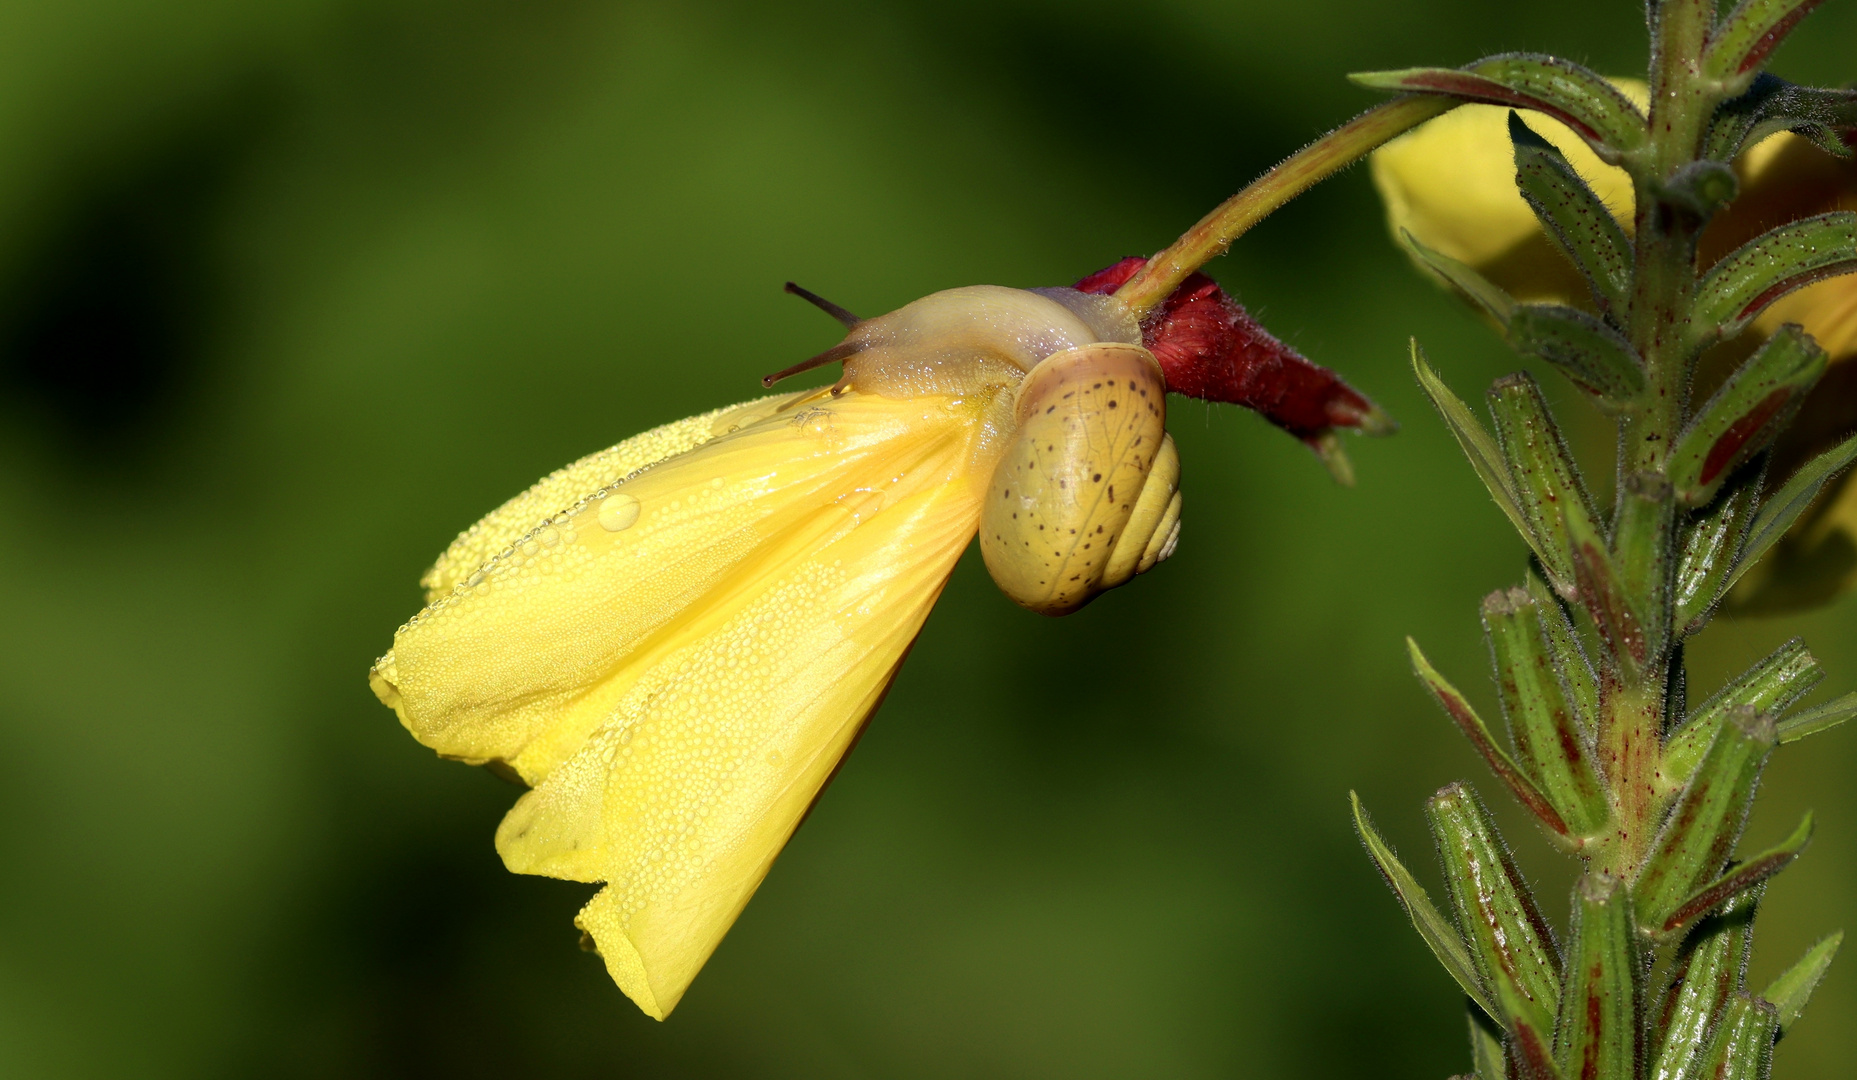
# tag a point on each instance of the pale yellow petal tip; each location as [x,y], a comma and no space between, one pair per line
[600,923]
[383,678]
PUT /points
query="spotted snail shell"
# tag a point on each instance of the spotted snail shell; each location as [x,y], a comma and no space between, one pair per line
[1083,481]
[1086,494]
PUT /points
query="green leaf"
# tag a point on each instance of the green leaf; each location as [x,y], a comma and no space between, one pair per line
[1711,544]
[1542,724]
[1597,1034]
[1641,554]
[1542,474]
[1700,833]
[1787,674]
[1575,96]
[1460,276]
[1570,663]
[1742,418]
[1768,267]
[1604,595]
[1744,39]
[1485,1046]
[1575,217]
[1594,356]
[1511,941]
[1779,512]
[1707,973]
[1821,718]
[1477,445]
[1445,942]
[1747,874]
[1790,992]
[1743,1042]
[1771,105]
[1478,733]
[1528,1047]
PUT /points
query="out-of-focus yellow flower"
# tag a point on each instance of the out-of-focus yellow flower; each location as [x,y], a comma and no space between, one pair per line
[1451,184]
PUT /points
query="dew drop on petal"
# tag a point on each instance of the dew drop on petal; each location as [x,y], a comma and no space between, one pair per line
[618,512]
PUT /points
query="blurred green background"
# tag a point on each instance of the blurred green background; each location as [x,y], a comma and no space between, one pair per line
[292,292]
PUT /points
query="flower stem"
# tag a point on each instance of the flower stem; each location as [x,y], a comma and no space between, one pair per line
[1296,174]
[1662,298]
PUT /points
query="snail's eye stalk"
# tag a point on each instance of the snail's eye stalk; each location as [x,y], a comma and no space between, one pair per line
[824,305]
[842,351]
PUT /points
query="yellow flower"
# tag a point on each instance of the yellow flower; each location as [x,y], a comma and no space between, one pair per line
[1451,184]
[674,642]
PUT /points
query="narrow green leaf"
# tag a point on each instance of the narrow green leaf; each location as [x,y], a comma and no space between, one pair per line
[1597,1035]
[1460,276]
[1576,218]
[1707,973]
[1575,96]
[1742,418]
[1790,992]
[1478,733]
[1595,357]
[1542,473]
[1547,736]
[1749,34]
[1741,877]
[1771,265]
[1570,662]
[1485,1046]
[1700,833]
[1711,543]
[1817,719]
[1605,598]
[1743,1044]
[1787,674]
[1513,946]
[1779,512]
[1528,1047]
[1641,553]
[1771,105]
[1477,445]
[1445,942]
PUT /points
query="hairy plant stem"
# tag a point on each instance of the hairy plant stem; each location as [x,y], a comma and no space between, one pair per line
[1681,102]
[1214,233]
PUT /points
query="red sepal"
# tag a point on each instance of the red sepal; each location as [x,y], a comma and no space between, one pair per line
[1209,348]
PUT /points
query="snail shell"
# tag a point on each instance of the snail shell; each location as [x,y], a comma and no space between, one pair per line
[1086,494]
[1084,478]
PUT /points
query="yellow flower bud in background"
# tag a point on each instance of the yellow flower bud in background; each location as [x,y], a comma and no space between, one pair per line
[1451,184]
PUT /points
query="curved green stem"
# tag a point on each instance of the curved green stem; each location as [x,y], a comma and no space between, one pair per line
[1296,174]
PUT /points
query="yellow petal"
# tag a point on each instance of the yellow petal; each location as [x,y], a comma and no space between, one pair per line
[515,663]
[679,662]
[681,801]
[560,489]
[1451,183]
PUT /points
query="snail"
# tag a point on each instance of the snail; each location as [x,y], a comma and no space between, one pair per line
[673,642]
[1076,428]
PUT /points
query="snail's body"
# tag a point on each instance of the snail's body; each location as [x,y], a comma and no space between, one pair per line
[674,641]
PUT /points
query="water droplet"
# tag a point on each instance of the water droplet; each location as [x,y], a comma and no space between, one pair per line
[618,512]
